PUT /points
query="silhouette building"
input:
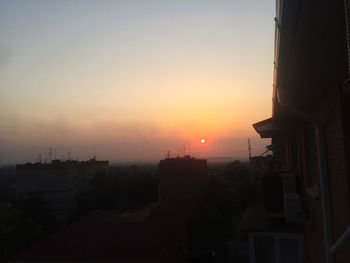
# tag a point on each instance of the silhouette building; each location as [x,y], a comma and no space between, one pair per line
[57,183]
[310,127]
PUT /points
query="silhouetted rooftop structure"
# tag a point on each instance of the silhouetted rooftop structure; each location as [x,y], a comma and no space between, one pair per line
[58,164]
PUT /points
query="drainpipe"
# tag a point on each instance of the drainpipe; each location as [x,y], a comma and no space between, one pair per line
[322,164]
[326,212]
[347,25]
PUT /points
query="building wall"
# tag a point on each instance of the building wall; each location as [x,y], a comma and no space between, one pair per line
[298,152]
[57,183]
[330,115]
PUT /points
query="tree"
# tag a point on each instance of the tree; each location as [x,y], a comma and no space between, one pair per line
[17,231]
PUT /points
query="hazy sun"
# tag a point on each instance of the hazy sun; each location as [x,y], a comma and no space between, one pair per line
[202,141]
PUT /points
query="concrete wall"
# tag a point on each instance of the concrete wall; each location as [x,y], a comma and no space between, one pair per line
[58,183]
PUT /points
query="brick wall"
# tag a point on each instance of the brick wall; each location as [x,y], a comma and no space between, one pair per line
[329,114]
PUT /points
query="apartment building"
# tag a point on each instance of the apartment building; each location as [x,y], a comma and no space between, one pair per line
[310,126]
[57,183]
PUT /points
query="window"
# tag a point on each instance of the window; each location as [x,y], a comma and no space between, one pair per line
[276,247]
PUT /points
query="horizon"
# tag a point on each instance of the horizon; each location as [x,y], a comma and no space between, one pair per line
[131,80]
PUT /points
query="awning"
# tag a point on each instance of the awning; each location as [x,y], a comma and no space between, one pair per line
[268,128]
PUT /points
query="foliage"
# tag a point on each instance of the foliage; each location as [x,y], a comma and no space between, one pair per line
[119,191]
[213,221]
[238,176]
[18,230]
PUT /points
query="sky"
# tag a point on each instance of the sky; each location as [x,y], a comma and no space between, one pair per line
[130,80]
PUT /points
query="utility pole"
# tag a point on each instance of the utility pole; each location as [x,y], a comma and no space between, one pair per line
[249,149]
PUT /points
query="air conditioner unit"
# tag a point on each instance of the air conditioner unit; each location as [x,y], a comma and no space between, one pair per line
[293,210]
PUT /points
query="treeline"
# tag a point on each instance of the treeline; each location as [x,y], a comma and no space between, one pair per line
[119,191]
[27,220]
[22,224]
[212,223]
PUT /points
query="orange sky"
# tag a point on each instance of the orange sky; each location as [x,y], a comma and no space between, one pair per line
[133,80]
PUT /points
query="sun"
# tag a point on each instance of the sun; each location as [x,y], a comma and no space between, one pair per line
[202,140]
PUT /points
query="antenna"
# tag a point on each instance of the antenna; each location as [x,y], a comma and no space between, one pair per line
[189,147]
[249,149]
[50,154]
[69,154]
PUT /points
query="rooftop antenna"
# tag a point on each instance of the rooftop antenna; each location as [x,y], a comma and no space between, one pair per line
[95,152]
[39,157]
[167,155]
[54,154]
[69,154]
[50,154]
[189,148]
[249,149]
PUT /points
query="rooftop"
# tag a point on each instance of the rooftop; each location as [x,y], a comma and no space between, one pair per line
[103,236]
[58,164]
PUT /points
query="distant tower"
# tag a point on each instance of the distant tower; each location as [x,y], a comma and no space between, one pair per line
[249,149]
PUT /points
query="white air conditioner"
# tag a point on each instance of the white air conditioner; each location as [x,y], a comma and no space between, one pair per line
[293,208]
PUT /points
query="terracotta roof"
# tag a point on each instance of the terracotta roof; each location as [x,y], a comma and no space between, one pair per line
[167,222]
[102,236]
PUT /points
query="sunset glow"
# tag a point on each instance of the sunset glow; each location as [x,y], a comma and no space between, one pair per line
[133,80]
